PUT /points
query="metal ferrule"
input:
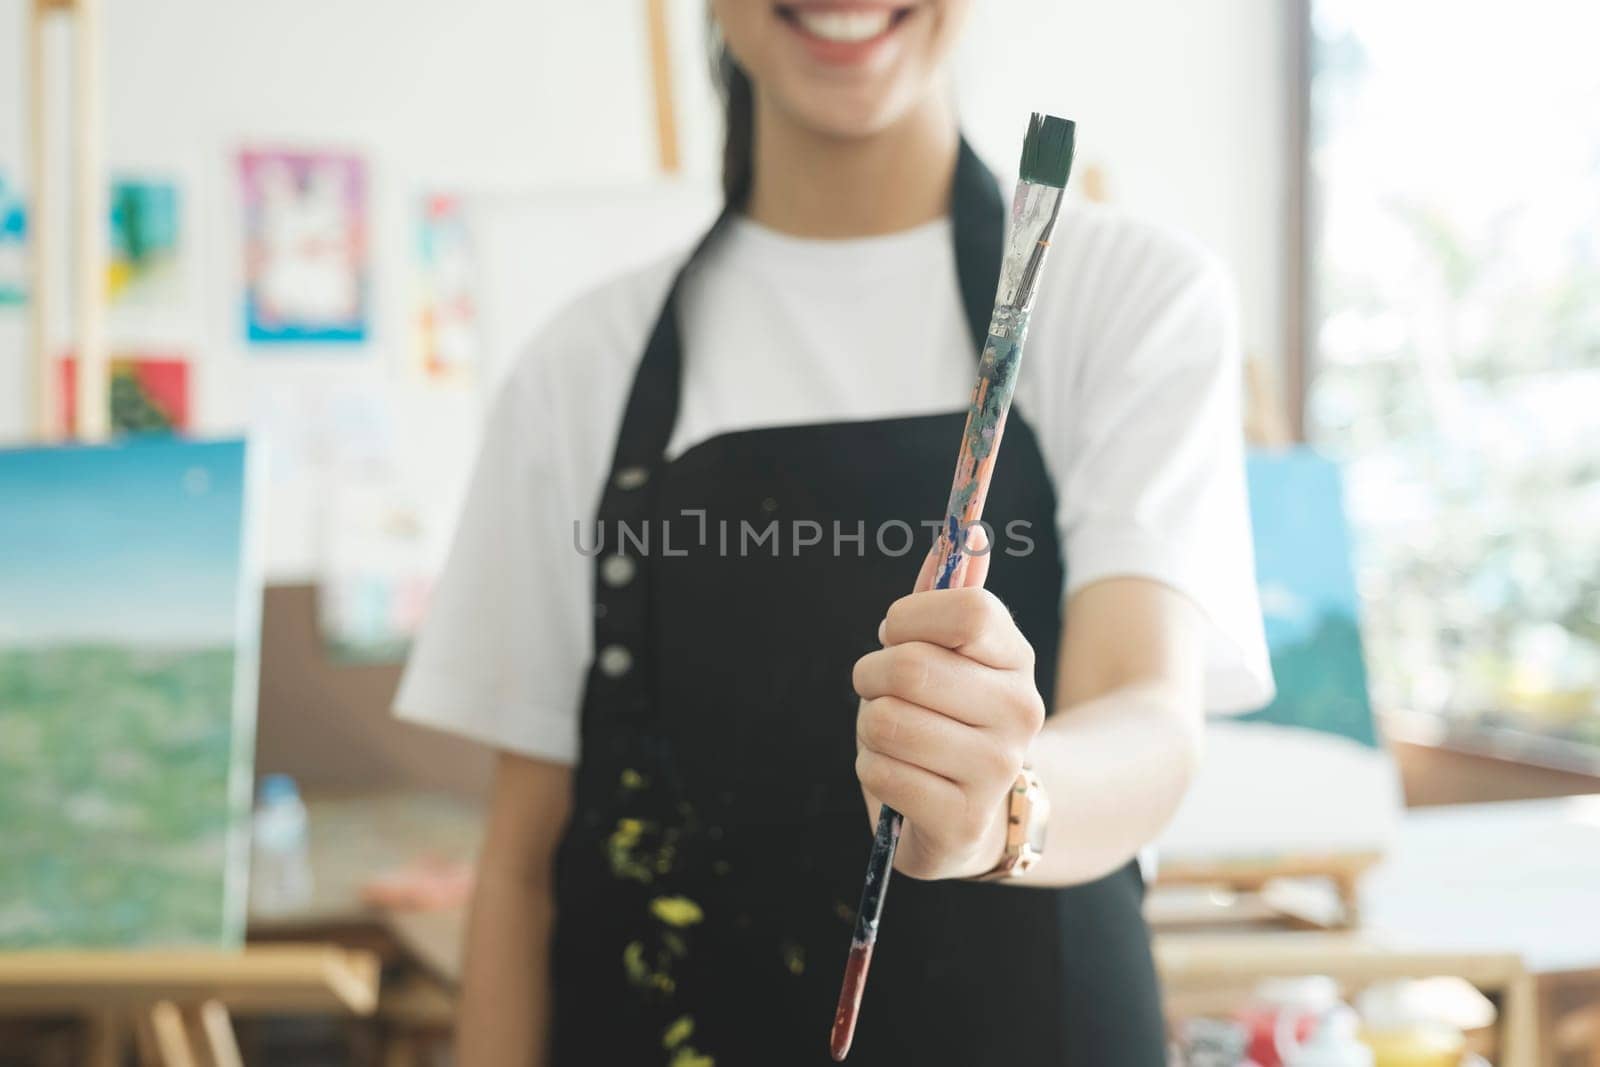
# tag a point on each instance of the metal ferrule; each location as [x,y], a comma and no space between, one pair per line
[1033,219]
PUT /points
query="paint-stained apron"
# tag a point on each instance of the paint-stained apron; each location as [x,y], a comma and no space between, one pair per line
[706,883]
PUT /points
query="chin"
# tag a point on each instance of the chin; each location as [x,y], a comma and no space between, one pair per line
[846,113]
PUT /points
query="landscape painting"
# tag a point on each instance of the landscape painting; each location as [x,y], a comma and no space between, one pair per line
[1308,597]
[129,634]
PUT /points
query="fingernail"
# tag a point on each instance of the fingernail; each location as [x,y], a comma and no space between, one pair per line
[882,628]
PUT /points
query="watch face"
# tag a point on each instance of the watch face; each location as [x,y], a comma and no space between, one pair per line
[1038,817]
[1038,826]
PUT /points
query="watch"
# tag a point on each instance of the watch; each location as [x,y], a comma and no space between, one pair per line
[1027,818]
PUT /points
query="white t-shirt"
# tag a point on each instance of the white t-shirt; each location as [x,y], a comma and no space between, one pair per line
[1130,381]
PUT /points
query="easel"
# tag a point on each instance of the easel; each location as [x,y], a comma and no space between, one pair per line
[661,85]
[1252,880]
[174,1006]
[88,215]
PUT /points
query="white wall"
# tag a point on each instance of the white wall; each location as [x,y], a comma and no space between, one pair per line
[1180,103]
[472,94]
[1183,104]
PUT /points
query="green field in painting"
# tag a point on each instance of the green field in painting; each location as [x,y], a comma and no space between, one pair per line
[113,795]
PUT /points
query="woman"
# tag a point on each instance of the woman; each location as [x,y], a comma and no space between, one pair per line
[676,604]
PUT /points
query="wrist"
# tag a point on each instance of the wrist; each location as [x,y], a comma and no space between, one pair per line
[1024,818]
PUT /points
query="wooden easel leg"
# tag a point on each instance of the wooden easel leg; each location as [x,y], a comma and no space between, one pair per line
[172,1036]
[89,222]
[1350,898]
[41,214]
[104,1040]
[144,1041]
[215,1034]
[1519,1024]
[661,83]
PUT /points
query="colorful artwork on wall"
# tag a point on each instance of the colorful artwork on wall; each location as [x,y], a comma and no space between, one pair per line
[448,316]
[307,277]
[144,263]
[147,394]
[128,652]
[13,244]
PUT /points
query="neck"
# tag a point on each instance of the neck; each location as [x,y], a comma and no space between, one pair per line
[813,184]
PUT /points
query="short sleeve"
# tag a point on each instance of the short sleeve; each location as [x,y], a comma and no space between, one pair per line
[1151,451]
[499,657]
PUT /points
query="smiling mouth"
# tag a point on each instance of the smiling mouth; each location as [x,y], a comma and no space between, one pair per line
[837,25]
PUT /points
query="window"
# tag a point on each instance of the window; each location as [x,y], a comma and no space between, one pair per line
[1455,293]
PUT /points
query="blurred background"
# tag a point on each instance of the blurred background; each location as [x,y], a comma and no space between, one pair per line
[320,233]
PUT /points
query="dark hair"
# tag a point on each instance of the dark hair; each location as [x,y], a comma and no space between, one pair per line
[739,118]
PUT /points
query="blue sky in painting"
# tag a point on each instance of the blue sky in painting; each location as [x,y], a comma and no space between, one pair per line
[136,543]
[1303,564]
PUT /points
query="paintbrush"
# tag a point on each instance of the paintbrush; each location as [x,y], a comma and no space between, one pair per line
[1046,162]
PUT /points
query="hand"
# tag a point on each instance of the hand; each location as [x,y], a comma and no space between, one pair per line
[948,710]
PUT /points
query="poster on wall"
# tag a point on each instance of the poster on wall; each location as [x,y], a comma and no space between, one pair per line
[147,393]
[13,244]
[306,269]
[144,265]
[128,664]
[448,316]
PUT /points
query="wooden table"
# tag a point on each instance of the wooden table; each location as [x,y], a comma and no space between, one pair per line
[1212,970]
[1515,876]
[355,836]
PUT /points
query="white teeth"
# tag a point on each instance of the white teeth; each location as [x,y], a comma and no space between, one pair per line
[845,27]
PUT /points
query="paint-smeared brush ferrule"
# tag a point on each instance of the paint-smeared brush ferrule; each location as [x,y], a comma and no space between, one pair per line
[1034,209]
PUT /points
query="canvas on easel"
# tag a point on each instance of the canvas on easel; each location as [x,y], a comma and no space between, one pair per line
[1304,785]
[129,636]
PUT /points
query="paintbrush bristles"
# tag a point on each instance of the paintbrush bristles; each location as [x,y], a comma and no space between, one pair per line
[1047,151]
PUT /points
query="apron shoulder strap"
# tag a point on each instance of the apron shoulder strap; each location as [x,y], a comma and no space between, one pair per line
[978,228]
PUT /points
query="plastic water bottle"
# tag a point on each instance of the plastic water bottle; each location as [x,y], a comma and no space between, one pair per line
[281,872]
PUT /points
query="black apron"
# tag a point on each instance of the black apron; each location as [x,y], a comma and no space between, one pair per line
[706,883]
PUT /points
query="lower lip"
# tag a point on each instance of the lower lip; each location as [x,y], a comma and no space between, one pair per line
[845,53]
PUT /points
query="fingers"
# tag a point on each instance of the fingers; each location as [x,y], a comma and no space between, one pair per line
[971,621]
[936,743]
[949,683]
[936,806]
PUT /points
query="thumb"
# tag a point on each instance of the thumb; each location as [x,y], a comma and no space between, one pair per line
[975,565]
[971,570]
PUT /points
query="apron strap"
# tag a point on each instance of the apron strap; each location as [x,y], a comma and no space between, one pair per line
[978,228]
